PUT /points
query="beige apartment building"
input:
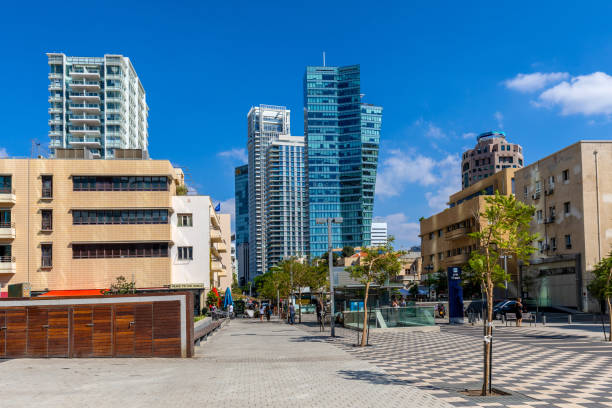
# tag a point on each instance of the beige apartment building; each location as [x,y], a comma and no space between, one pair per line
[444,236]
[79,224]
[572,192]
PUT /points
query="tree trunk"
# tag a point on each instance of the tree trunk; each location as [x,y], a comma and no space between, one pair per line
[488,332]
[365,315]
[609,316]
[300,297]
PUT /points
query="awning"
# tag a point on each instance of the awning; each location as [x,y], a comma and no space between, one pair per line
[80,292]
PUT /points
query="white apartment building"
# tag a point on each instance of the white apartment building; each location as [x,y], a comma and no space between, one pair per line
[97,104]
[379,234]
[265,123]
[200,257]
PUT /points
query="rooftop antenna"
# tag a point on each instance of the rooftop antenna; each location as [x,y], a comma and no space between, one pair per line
[324,58]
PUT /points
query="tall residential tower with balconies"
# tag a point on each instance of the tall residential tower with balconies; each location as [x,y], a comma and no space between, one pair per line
[96,104]
[265,123]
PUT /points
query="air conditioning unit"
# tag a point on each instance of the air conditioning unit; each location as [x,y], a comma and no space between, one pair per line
[536,196]
[550,191]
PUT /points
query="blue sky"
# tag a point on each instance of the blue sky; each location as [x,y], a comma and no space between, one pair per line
[443,71]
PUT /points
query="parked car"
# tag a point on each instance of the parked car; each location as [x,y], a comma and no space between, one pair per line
[506,306]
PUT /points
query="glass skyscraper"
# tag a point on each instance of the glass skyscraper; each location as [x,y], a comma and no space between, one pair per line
[342,137]
[241,194]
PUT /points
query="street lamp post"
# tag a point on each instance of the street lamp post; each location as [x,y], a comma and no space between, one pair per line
[330,264]
[505,257]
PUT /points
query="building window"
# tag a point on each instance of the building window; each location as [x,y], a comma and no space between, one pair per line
[185,253]
[46,251]
[525,192]
[5,218]
[47,220]
[185,220]
[47,186]
[440,255]
[539,216]
[6,184]
[135,216]
[439,233]
[119,183]
[132,250]
[565,175]
[553,244]
[541,246]
[431,258]
[566,207]
[431,235]
[568,241]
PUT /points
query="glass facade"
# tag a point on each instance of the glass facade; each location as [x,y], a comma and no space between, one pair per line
[342,138]
[241,188]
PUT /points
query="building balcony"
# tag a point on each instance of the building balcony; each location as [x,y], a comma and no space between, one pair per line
[82,119]
[55,98]
[85,85]
[55,75]
[84,107]
[85,96]
[7,196]
[85,74]
[220,247]
[84,131]
[86,141]
[215,235]
[458,259]
[55,110]
[8,265]
[55,86]
[55,122]
[214,220]
[216,266]
[457,233]
[7,230]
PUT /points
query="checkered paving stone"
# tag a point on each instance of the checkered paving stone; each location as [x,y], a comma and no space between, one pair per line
[562,373]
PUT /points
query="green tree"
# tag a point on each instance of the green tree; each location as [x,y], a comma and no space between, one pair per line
[181,190]
[377,266]
[503,229]
[348,251]
[121,286]
[601,286]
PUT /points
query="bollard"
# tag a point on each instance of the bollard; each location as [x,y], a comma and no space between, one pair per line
[543,320]
[569,319]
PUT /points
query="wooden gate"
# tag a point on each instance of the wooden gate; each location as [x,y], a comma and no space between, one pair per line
[156,325]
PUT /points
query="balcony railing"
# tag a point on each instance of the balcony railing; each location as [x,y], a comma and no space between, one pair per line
[7,259]
[47,192]
[46,262]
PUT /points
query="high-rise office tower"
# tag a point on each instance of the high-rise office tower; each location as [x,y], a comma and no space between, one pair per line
[97,104]
[342,138]
[491,154]
[265,124]
[285,199]
[241,189]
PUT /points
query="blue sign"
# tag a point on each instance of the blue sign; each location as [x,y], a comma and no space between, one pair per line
[455,295]
[356,306]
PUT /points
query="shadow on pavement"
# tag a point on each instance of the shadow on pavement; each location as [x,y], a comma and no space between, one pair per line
[373,377]
[308,339]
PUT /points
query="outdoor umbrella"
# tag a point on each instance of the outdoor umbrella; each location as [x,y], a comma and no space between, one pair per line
[404,292]
[228,298]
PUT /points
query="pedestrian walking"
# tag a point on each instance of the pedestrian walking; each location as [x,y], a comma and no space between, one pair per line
[519,312]
[291,314]
[231,310]
[268,312]
[261,312]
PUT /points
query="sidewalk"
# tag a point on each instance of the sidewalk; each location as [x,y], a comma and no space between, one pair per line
[247,363]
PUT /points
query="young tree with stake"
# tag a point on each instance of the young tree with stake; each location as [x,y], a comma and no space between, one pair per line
[503,229]
[601,286]
[379,264]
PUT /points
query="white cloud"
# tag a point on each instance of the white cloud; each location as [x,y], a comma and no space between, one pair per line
[434,132]
[585,94]
[404,231]
[499,117]
[403,168]
[469,135]
[239,154]
[3,153]
[534,82]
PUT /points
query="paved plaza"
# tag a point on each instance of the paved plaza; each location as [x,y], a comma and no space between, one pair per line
[245,364]
[539,366]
